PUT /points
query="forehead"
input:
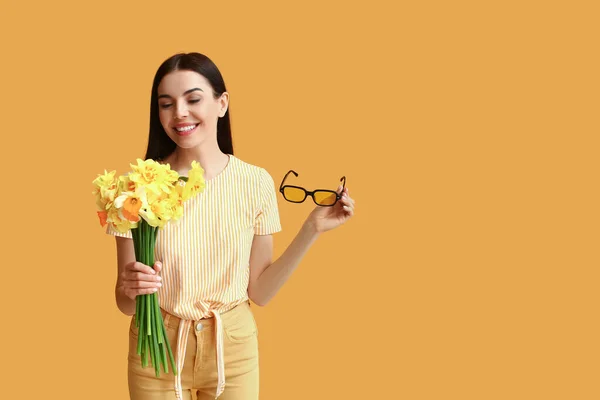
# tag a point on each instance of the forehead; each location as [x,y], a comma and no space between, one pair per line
[177,82]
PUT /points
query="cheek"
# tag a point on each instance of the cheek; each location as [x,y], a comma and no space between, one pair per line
[164,117]
[198,113]
[205,115]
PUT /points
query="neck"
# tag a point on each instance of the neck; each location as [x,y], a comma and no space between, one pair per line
[211,159]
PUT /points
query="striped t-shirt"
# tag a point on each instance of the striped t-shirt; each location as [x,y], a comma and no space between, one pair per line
[206,253]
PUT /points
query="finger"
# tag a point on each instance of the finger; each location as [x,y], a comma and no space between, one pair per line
[146,291]
[144,285]
[138,266]
[347,199]
[339,189]
[133,293]
[141,276]
[158,267]
[347,195]
[349,210]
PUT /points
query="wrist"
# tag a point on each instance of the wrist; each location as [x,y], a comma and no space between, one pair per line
[124,303]
[310,228]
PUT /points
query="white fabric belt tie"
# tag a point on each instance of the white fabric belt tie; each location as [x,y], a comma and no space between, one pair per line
[182,338]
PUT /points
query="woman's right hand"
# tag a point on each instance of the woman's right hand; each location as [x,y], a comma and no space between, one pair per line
[138,278]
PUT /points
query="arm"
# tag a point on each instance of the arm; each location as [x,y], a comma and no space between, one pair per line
[134,278]
[266,278]
[125,255]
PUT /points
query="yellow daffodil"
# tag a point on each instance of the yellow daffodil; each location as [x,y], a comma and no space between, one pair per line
[105,190]
[118,221]
[130,203]
[126,184]
[195,182]
[175,201]
[157,213]
[156,177]
[147,198]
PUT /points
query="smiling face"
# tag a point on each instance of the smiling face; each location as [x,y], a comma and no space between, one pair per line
[188,110]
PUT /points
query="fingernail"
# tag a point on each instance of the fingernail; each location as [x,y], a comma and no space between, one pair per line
[154,289]
[159,278]
[160,284]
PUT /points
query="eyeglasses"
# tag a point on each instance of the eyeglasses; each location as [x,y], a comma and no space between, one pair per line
[321,197]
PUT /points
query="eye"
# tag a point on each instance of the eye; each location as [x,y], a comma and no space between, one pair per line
[194,101]
[165,105]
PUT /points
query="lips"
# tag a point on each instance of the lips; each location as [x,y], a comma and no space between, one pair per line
[185,130]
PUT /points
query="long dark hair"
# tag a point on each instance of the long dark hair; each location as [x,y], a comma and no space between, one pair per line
[160,144]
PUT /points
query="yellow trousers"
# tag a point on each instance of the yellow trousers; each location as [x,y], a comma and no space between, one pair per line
[199,375]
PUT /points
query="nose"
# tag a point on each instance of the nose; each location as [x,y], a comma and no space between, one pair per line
[181,110]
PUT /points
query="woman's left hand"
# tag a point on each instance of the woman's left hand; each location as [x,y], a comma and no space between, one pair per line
[326,218]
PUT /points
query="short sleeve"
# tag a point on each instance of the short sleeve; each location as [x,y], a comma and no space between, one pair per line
[110,230]
[267,219]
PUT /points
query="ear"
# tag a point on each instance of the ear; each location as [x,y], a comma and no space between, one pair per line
[223,104]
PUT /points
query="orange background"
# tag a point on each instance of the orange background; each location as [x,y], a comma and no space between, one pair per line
[468,132]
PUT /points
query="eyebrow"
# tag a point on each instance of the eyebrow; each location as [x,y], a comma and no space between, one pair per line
[184,93]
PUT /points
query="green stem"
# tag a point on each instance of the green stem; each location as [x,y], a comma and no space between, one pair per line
[158,318]
[171,358]
[163,357]
[139,300]
[143,354]
[154,348]
[153,344]
[147,350]
[137,312]
[159,332]
[148,315]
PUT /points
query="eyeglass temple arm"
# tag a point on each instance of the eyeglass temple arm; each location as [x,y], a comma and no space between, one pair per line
[285,177]
[343,179]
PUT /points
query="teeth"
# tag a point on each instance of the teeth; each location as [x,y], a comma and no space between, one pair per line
[185,129]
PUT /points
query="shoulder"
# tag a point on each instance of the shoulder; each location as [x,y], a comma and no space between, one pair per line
[252,172]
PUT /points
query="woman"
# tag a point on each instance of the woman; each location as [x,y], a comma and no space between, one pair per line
[219,255]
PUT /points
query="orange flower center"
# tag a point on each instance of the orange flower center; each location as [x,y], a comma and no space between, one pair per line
[149,176]
[131,208]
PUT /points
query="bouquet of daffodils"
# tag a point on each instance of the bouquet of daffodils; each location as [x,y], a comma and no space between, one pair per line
[143,201]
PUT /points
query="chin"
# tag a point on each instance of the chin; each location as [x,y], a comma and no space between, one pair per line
[185,142]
